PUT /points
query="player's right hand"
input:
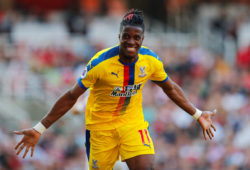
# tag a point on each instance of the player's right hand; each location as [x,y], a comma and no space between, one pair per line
[29,140]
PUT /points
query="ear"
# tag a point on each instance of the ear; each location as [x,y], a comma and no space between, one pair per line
[142,38]
[119,37]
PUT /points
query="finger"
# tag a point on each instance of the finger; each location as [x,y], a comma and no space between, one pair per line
[214,112]
[213,127]
[209,134]
[210,131]
[32,151]
[18,132]
[204,134]
[26,151]
[20,149]
[17,145]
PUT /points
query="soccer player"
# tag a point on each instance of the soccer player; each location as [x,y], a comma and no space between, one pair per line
[115,125]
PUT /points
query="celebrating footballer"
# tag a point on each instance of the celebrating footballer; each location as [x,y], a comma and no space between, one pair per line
[115,125]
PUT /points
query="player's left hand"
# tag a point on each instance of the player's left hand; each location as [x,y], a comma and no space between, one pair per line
[207,124]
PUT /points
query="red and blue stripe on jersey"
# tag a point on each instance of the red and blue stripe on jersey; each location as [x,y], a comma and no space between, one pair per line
[129,78]
[129,71]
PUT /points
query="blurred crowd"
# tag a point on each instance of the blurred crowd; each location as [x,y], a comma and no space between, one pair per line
[213,76]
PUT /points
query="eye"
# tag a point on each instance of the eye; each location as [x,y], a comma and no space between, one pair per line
[137,37]
[125,36]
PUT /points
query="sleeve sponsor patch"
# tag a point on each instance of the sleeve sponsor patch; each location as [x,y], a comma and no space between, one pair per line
[84,73]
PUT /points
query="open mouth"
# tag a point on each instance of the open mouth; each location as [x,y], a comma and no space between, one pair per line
[131,49]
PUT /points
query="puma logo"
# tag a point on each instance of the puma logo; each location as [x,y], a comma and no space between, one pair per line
[114,74]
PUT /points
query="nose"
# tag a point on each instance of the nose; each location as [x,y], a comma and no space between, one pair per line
[131,41]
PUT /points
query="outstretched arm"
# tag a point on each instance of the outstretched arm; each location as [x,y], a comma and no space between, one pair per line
[176,94]
[62,105]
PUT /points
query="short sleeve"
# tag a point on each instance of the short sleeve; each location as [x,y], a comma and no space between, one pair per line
[88,77]
[92,72]
[159,74]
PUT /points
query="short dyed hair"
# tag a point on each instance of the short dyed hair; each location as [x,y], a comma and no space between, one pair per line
[133,17]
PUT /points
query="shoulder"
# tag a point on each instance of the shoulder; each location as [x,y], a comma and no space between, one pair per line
[151,55]
[102,56]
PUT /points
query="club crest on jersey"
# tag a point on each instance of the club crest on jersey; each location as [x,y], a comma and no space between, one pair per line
[84,73]
[126,91]
[94,164]
[143,72]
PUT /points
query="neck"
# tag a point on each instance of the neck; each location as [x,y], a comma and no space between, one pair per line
[127,59]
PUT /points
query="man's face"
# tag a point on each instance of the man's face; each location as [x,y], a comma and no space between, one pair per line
[131,38]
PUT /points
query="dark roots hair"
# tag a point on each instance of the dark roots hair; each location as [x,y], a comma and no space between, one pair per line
[133,17]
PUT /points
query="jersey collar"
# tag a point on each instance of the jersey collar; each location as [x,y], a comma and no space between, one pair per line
[129,64]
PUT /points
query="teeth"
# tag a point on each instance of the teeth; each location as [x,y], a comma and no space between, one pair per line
[131,49]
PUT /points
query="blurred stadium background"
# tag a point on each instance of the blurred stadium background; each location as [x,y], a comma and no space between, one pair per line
[205,47]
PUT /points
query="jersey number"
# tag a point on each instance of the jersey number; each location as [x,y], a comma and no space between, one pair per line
[142,136]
